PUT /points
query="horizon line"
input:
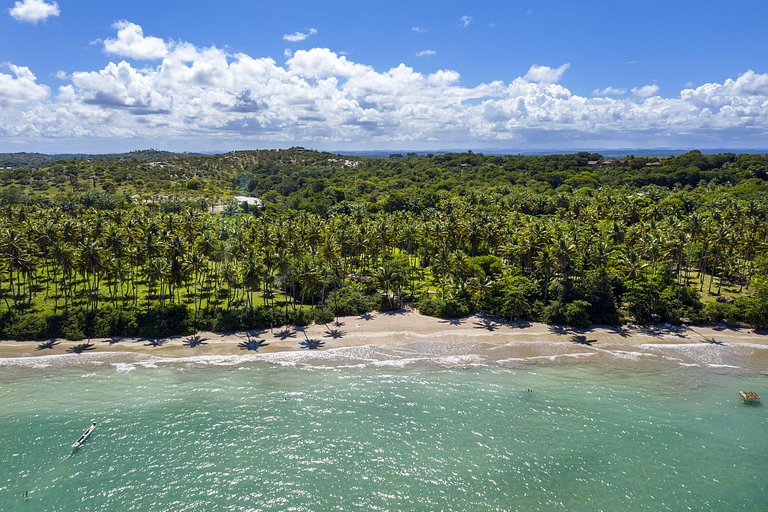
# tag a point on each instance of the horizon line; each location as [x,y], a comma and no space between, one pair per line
[498,151]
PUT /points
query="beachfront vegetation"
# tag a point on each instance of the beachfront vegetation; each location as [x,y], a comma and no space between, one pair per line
[132,244]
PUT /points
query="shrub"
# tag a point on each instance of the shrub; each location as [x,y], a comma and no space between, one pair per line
[323,315]
[350,301]
[29,326]
[643,302]
[443,308]
[665,301]
[122,322]
[73,324]
[756,306]
[682,302]
[194,184]
[111,322]
[301,317]
[597,289]
[577,313]
[574,313]
[228,320]
[512,297]
[159,322]
[722,312]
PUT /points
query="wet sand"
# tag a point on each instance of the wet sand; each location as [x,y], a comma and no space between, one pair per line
[410,336]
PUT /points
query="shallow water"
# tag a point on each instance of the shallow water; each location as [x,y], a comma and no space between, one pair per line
[260,436]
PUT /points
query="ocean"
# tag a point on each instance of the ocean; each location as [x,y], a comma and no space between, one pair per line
[252,435]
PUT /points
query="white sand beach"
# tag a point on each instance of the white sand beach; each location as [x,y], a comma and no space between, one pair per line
[408,334]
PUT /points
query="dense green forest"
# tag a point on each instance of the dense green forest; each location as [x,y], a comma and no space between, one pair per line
[132,244]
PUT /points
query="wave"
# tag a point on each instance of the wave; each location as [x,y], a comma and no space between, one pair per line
[433,353]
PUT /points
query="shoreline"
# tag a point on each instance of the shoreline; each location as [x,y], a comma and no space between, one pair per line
[409,336]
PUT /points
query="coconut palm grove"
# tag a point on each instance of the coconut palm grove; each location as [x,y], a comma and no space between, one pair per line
[151,243]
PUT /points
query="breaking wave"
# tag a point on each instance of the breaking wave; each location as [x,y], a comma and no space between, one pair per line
[429,352]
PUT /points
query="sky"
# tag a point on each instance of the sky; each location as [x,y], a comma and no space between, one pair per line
[95,76]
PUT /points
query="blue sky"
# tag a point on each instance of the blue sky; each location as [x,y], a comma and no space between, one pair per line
[101,76]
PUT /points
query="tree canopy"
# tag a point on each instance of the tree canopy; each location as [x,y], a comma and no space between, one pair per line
[106,246]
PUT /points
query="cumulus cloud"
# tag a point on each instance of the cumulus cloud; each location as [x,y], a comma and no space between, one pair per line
[546,74]
[34,11]
[21,87]
[426,53]
[131,42]
[320,97]
[123,87]
[646,91]
[299,36]
[419,30]
[320,63]
[466,21]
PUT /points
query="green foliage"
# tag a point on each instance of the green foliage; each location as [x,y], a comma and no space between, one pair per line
[351,301]
[488,266]
[682,302]
[128,244]
[73,325]
[323,315]
[756,306]
[443,308]
[27,326]
[659,301]
[158,322]
[512,297]
[574,313]
[195,184]
[724,312]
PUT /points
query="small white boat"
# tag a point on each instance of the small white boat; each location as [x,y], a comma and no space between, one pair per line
[85,435]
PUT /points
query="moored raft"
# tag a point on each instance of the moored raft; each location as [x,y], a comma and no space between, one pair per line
[749,396]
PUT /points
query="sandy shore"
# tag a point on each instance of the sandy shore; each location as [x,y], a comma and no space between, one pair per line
[408,334]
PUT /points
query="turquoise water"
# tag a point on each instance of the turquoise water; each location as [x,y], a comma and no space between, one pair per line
[257,436]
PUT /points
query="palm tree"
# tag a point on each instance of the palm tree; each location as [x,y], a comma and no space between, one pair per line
[91,265]
[386,276]
[442,265]
[563,253]
[545,266]
[196,263]
[17,256]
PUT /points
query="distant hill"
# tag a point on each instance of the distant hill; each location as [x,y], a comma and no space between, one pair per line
[39,159]
[302,179]
[155,172]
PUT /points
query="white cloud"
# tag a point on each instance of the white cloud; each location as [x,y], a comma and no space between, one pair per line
[322,63]
[443,77]
[466,21]
[419,30]
[646,91]
[21,88]
[609,91]
[546,74]
[287,53]
[131,42]
[744,94]
[209,98]
[299,36]
[426,53]
[34,11]
[121,86]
